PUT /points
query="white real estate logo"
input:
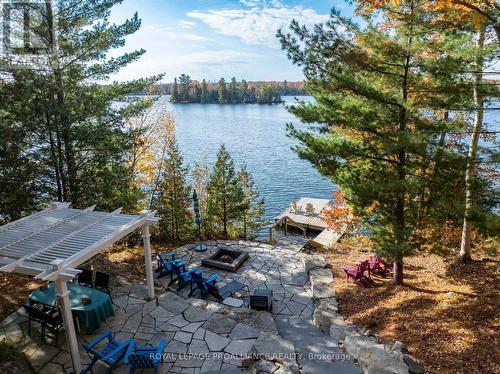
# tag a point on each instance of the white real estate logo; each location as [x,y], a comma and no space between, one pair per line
[25,33]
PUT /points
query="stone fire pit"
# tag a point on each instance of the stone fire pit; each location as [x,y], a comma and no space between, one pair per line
[226,259]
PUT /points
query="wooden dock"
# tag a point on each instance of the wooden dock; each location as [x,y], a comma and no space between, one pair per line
[325,238]
[306,215]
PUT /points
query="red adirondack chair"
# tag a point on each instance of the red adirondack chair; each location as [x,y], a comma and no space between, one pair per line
[378,266]
[388,264]
[357,273]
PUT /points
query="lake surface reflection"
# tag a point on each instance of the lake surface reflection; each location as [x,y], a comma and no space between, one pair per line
[255,135]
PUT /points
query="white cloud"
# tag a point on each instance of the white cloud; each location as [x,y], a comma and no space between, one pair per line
[203,64]
[175,50]
[257,21]
[162,33]
[196,38]
[155,29]
[251,2]
[218,57]
[187,24]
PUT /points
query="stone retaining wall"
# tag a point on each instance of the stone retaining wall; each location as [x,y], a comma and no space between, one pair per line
[372,356]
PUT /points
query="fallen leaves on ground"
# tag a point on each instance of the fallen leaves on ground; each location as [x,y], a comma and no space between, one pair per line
[446,313]
[125,262]
[15,291]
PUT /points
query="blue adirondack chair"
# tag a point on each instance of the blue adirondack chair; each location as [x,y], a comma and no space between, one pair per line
[180,274]
[110,354]
[201,283]
[164,266]
[144,357]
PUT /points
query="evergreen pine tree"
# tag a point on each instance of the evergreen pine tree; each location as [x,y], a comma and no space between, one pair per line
[184,86]
[222,91]
[252,97]
[284,89]
[233,92]
[268,94]
[251,220]
[195,95]
[214,96]
[261,94]
[175,198]
[479,17]
[225,196]
[378,129]
[21,190]
[78,132]
[175,92]
[204,97]
[277,95]
[244,91]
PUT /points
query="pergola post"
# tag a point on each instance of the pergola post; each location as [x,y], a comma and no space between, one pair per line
[147,260]
[69,326]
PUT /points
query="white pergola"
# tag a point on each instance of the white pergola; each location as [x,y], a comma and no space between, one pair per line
[50,244]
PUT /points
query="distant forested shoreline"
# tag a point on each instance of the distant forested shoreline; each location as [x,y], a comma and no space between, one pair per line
[184,90]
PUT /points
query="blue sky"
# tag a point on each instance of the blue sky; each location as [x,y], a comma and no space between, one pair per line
[216,38]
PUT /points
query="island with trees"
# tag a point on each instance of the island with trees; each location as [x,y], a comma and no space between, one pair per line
[185,90]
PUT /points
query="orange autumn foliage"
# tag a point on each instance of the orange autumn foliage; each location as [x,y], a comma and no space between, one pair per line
[477,12]
[340,215]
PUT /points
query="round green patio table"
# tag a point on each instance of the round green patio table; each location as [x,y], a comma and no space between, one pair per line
[90,316]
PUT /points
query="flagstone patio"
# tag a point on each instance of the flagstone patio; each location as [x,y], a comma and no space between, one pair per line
[280,270]
[203,336]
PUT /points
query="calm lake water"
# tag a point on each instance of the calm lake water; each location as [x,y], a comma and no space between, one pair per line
[255,135]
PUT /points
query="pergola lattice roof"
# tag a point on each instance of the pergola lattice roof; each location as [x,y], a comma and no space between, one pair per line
[31,244]
[51,243]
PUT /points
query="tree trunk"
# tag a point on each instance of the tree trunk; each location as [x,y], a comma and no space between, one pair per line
[55,66]
[465,254]
[131,172]
[177,210]
[53,156]
[225,222]
[400,224]
[172,213]
[62,121]
[62,172]
[69,153]
[245,226]
[397,271]
[400,241]
[224,204]
[56,167]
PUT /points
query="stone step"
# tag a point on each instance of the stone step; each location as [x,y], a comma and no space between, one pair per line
[317,352]
[291,243]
